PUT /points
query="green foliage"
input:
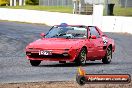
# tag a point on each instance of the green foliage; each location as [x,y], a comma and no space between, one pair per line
[4,2]
[63,9]
[119,11]
[122,11]
[32,2]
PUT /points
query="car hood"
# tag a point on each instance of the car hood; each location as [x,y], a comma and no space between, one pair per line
[54,43]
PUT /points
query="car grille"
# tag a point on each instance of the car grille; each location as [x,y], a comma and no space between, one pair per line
[36,55]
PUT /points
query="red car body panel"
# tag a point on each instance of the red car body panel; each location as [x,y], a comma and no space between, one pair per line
[96,49]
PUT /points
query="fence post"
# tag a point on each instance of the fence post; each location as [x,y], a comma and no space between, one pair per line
[97,15]
[79,7]
[20,2]
[11,2]
[107,11]
[24,2]
[125,3]
[14,3]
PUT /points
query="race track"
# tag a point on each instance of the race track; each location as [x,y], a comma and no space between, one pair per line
[14,67]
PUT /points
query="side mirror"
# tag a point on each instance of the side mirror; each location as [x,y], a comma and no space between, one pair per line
[93,37]
[42,35]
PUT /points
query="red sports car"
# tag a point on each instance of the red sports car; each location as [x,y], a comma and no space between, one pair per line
[71,43]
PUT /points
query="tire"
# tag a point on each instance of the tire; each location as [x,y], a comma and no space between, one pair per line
[108,56]
[81,60]
[35,62]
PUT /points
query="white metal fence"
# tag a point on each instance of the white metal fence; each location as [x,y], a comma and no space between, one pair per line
[107,23]
[126,3]
[56,2]
[84,6]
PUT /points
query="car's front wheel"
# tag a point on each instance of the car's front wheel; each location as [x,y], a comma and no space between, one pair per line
[108,56]
[35,62]
[81,60]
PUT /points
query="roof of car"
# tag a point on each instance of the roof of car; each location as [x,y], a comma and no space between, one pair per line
[70,25]
[65,25]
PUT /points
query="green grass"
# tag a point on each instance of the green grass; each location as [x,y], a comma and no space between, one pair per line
[119,11]
[122,11]
[62,9]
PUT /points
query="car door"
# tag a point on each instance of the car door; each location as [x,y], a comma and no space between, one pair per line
[98,42]
[91,47]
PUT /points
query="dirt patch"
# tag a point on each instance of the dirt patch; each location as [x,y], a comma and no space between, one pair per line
[63,85]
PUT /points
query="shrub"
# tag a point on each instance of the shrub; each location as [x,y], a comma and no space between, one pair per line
[4,2]
[32,2]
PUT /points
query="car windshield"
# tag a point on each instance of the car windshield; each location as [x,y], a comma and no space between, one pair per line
[67,32]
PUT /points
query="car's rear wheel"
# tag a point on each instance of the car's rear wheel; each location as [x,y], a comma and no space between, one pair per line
[108,56]
[81,60]
[35,62]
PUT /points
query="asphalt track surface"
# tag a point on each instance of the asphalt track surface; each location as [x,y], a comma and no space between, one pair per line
[14,67]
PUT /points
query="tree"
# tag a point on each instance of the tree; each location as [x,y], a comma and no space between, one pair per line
[32,2]
[4,2]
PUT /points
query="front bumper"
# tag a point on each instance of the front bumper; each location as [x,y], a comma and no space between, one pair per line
[57,55]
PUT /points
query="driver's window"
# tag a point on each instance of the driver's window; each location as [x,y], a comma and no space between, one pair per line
[93,31]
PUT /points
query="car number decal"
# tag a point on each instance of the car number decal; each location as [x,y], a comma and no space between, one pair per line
[43,52]
[105,41]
